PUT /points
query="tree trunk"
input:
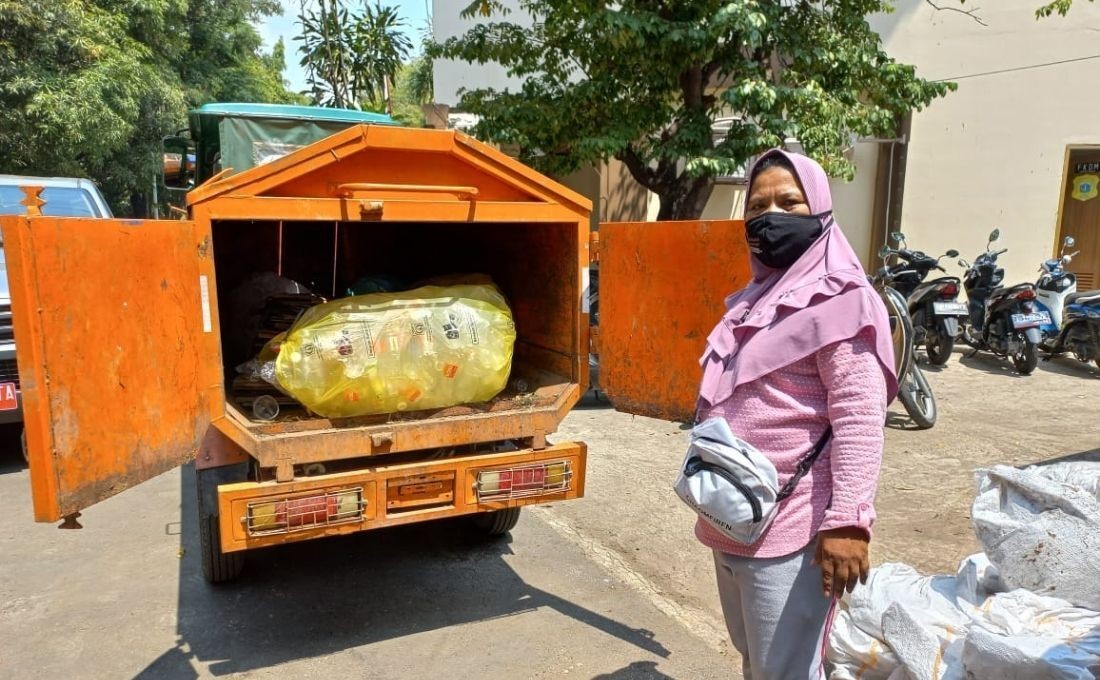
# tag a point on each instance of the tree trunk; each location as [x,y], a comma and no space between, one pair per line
[684,199]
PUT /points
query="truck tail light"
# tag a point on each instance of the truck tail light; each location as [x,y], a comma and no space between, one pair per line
[284,515]
[524,481]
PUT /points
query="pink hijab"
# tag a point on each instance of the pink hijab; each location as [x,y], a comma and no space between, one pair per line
[784,316]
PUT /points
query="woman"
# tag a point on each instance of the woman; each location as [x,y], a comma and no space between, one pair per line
[804,347]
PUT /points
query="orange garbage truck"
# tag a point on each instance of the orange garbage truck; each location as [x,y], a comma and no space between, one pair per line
[129,348]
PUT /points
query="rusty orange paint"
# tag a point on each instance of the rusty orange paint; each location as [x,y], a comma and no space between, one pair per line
[662,289]
[233,499]
[32,199]
[120,375]
[118,320]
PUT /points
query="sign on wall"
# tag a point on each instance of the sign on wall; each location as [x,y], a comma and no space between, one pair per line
[1085,186]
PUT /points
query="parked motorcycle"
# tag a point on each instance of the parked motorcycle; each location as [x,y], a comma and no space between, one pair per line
[1074,317]
[914,392]
[1003,321]
[933,305]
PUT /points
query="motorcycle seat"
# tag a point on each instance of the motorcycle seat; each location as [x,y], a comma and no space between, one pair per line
[1082,297]
[1005,292]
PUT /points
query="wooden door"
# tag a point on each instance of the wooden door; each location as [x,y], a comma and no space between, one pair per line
[1081,214]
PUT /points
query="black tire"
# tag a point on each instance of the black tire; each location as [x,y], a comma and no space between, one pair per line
[939,348]
[217,566]
[901,328]
[916,396]
[496,523]
[1027,358]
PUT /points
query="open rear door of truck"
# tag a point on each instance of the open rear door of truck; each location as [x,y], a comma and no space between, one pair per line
[116,331]
[662,289]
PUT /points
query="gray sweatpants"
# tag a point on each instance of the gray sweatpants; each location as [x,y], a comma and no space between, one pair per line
[776,614]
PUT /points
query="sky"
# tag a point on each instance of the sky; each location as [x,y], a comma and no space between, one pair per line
[415,13]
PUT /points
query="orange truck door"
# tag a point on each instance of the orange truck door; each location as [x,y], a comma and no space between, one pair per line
[662,289]
[118,350]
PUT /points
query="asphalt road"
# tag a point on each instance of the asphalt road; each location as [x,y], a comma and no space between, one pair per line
[610,586]
[124,598]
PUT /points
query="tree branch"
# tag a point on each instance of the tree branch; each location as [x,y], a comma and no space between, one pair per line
[972,13]
[641,171]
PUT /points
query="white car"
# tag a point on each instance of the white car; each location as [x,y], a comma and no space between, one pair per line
[65,197]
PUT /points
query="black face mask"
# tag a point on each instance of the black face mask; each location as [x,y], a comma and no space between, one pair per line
[778,239]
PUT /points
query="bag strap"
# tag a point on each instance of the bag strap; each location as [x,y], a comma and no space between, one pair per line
[804,466]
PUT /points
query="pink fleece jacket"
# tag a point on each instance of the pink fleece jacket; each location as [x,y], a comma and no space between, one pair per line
[783,414]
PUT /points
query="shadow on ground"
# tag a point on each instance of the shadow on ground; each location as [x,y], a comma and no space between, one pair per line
[318,597]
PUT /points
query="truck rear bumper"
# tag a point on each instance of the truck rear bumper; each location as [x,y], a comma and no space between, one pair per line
[259,514]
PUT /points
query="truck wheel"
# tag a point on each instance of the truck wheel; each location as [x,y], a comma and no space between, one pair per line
[498,522]
[217,566]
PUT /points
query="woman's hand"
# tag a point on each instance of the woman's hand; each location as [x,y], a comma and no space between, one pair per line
[843,558]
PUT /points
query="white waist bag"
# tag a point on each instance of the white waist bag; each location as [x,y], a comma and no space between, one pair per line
[733,486]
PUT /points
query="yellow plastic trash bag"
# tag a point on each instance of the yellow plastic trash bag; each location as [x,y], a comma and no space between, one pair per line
[431,347]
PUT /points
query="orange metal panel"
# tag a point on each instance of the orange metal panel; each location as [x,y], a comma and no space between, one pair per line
[662,290]
[324,441]
[118,351]
[392,156]
[233,499]
[391,210]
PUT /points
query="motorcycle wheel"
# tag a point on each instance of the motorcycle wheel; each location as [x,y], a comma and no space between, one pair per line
[939,348]
[1027,358]
[916,396]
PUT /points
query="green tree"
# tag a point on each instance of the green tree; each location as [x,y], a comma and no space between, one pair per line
[1061,7]
[352,59]
[414,86]
[88,88]
[644,80]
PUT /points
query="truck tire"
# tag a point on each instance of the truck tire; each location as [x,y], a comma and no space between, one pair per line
[217,566]
[498,522]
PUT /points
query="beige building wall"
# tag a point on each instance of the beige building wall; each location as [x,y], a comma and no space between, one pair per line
[853,202]
[991,154]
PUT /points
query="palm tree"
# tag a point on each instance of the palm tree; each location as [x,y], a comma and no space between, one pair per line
[351,59]
[380,48]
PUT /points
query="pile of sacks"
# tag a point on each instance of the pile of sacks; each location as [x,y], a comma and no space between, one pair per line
[1028,608]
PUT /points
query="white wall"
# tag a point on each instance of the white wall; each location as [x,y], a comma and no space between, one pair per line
[452,76]
[991,154]
[854,202]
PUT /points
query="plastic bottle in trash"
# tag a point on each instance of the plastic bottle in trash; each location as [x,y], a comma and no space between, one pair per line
[265,407]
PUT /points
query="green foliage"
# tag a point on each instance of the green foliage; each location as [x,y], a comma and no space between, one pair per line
[89,88]
[350,58]
[1060,7]
[644,80]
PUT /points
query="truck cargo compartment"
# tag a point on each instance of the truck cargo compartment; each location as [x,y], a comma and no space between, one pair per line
[534,265]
